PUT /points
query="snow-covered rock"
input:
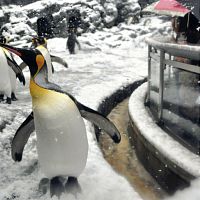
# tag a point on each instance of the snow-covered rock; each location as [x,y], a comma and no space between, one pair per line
[96,14]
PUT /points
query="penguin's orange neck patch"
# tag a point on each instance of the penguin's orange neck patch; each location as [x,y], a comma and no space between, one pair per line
[39,61]
[36,91]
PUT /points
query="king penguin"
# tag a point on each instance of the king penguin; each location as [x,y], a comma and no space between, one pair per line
[5,83]
[15,72]
[57,118]
[9,71]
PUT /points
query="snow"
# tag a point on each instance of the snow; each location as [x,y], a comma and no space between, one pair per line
[109,60]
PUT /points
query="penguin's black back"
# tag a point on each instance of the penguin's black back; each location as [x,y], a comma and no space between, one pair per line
[71,41]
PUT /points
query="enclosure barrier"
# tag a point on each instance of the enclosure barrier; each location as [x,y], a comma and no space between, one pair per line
[173,102]
[174,89]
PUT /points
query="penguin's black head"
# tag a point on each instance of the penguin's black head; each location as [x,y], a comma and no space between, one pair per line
[31,57]
[39,40]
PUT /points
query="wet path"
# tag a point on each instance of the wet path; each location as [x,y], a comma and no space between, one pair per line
[123,159]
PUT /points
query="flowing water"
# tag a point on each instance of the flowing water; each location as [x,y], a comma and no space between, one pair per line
[123,159]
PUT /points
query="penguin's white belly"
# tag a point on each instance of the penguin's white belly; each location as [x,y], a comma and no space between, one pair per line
[61,136]
[5,84]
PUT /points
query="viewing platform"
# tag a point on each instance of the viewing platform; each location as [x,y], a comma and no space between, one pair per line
[166,128]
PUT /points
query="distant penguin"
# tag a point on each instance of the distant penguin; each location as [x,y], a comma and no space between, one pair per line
[72,41]
[57,117]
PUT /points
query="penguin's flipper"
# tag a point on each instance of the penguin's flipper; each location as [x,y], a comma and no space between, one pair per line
[98,119]
[101,121]
[53,70]
[22,65]
[21,137]
[91,115]
[16,68]
[59,60]
[21,78]
[12,63]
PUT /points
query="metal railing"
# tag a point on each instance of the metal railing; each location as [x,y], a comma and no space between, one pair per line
[174,89]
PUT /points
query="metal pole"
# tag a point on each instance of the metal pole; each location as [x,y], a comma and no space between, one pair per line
[149,75]
[161,84]
[169,68]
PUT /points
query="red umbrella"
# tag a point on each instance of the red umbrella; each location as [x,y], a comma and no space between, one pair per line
[171,6]
[167,7]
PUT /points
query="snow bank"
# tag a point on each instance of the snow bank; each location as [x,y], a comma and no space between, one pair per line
[173,150]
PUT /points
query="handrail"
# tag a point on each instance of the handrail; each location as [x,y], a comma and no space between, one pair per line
[165,71]
[184,50]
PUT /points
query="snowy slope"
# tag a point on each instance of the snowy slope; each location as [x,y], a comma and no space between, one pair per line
[95,14]
[19,22]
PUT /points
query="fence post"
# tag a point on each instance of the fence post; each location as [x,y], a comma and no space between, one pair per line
[161,85]
[149,76]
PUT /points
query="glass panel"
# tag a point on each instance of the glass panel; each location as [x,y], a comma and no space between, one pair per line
[181,107]
[154,85]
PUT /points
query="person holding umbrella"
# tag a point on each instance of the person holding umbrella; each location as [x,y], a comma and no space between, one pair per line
[184,23]
[186,29]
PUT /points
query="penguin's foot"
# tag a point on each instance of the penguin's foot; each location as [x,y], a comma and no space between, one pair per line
[44,185]
[13,97]
[56,187]
[8,100]
[72,186]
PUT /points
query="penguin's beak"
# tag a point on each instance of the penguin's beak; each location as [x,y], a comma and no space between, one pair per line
[12,49]
[18,51]
[27,55]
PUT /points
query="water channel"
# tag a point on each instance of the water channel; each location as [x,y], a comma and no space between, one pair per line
[123,159]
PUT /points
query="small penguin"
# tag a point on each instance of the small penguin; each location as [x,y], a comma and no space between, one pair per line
[57,118]
[72,41]
[9,71]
